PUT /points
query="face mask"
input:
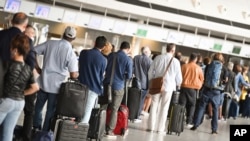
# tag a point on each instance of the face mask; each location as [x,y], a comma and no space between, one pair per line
[32,38]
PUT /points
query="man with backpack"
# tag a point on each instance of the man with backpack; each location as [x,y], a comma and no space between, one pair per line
[211,93]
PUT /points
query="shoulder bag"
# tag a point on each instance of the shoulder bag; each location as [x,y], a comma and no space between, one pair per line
[156,84]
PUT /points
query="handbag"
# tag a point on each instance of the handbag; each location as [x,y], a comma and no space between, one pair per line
[107,90]
[156,84]
[72,99]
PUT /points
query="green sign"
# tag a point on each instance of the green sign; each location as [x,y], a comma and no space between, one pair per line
[217,47]
[141,32]
[236,50]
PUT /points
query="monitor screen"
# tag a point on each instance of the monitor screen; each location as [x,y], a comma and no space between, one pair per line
[42,11]
[12,5]
[217,47]
[236,50]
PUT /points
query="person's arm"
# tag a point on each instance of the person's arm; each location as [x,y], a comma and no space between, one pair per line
[73,65]
[129,69]
[33,86]
[32,89]
[201,77]
[178,77]
[243,82]
[236,83]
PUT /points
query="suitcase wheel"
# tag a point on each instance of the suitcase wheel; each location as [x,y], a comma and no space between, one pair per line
[179,134]
[123,131]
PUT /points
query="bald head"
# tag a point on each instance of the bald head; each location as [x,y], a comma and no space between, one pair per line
[146,51]
[20,20]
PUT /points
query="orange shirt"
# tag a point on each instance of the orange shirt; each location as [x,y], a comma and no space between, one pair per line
[192,76]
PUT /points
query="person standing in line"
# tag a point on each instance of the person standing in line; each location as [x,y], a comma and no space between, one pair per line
[59,60]
[192,81]
[92,65]
[160,102]
[141,66]
[123,71]
[29,107]
[19,81]
[211,94]
[19,22]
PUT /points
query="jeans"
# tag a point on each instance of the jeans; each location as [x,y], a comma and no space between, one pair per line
[159,111]
[29,110]
[92,96]
[143,96]
[117,96]
[51,99]
[188,99]
[10,111]
[212,96]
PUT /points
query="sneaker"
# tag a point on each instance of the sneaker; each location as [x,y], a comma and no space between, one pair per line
[189,125]
[137,121]
[214,132]
[110,135]
[193,128]
[149,130]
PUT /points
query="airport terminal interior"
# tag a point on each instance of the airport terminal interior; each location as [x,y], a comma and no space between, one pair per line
[194,26]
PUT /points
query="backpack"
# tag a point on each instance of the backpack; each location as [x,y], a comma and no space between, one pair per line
[213,74]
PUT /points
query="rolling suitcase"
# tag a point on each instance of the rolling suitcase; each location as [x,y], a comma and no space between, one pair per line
[97,124]
[176,121]
[226,105]
[134,99]
[68,130]
[72,99]
[122,120]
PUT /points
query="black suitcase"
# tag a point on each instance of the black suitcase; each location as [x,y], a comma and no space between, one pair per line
[68,130]
[134,100]
[174,100]
[226,105]
[72,99]
[97,124]
[176,120]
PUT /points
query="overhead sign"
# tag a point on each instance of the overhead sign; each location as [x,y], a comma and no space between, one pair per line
[12,6]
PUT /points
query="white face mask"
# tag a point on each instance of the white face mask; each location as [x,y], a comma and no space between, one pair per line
[32,38]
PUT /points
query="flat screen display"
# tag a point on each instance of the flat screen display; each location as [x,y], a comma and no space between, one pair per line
[236,50]
[217,47]
[12,5]
[42,11]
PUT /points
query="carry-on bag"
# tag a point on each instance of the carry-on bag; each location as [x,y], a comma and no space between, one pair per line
[69,130]
[134,100]
[122,120]
[176,121]
[72,99]
[97,124]
[226,105]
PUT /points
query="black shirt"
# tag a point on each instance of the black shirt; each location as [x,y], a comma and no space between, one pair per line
[17,78]
[5,40]
[6,36]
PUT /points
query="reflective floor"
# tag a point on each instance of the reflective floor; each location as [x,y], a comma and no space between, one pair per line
[137,132]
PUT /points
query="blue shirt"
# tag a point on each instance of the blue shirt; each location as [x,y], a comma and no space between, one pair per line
[92,65]
[59,59]
[238,82]
[123,70]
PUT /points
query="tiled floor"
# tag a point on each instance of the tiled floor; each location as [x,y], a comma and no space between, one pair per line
[203,133]
[137,132]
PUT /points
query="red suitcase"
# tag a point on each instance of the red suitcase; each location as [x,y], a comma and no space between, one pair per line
[122,120]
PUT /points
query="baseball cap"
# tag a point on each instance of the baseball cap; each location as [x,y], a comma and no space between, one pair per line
[70,32]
